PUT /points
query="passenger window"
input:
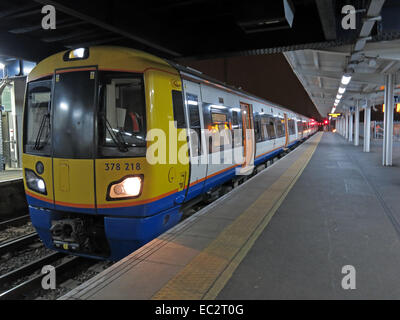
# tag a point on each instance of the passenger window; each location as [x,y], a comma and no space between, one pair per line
[194,123]
[257,128]
[237,136]
[221,137]
[268,127]
[291,125]
[280,127]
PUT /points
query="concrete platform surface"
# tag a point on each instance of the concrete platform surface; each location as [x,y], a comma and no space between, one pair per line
[10,175]
[287,233]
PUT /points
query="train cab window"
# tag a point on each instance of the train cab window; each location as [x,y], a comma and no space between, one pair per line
[123,114]
[194,123]
[280,127]
[37,137]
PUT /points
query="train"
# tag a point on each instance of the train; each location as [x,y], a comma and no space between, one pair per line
[119,143]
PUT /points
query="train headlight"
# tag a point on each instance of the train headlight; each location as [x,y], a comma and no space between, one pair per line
[128,187]
[34,182]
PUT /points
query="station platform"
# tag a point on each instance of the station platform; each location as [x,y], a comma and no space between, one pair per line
[284,234]
[9,175]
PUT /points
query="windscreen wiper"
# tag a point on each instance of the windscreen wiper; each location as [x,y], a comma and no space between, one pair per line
[45,118]
[118,139]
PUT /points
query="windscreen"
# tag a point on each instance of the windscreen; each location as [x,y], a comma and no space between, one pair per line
[122,115]
[37,134]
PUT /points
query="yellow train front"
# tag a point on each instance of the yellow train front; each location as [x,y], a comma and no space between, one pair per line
[89,187]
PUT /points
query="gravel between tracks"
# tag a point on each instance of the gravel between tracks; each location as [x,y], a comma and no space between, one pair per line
[10,262]
[73,281]
[15,232]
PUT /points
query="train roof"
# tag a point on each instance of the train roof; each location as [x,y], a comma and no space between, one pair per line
[198,74]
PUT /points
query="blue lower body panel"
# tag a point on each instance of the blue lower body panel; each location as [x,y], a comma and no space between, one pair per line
[124,235]
[266,157]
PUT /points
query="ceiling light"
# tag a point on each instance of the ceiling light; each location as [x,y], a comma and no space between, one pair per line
[337,101]
[339,96]
[346,79]
[2,66]
[341,90]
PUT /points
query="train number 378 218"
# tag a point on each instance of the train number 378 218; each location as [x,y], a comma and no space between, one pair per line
[111,166]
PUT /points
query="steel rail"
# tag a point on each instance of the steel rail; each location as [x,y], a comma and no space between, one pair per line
[15,244]
[28,269]
[15,222]
[20,291]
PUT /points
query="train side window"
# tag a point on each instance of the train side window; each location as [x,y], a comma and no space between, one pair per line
[268,126]
[194,124]
[257,128]
[220,133]
[237,137]
[177,104]
[291,125]
[280,127]
[235,119]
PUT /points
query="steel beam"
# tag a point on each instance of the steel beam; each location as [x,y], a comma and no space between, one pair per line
[109,27]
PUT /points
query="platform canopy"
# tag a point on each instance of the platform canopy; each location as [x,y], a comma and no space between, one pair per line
[372,54]
[175,29]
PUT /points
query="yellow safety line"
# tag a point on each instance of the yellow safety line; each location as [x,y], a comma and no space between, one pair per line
[207,273]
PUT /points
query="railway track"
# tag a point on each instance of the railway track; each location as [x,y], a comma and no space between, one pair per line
[27,287]
[18,243]
[15,222]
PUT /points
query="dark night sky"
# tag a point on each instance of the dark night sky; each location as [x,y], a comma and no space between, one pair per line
[267,76]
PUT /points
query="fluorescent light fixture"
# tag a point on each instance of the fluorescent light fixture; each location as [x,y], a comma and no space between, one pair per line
[337,101]
[346,79]
[193,103]
[341,90]
[339,96]
[333,110]
[2,66]
[217,106]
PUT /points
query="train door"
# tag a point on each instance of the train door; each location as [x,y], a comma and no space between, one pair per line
[248,137]
[286,130]
[198,154]
[73,139]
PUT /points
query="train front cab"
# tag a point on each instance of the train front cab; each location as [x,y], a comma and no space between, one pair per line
[89,187]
